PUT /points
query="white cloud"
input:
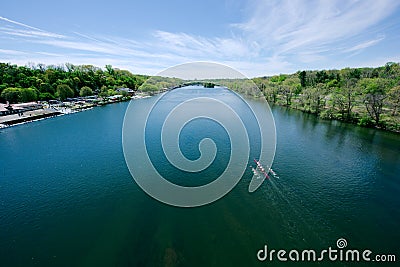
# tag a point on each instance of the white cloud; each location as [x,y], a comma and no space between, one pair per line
[19,23]
[190,45]
[289,27]
[30,33]
[364,45]
[282,34]
[12,52]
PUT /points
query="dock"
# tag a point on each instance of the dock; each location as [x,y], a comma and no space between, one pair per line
[32,115]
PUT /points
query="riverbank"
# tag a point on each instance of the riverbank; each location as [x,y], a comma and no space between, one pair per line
[392,125]
[14,119]
[58,109]
[368,97]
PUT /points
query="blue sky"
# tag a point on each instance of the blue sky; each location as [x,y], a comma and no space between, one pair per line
[256,37]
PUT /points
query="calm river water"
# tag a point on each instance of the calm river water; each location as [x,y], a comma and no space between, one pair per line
[67,197]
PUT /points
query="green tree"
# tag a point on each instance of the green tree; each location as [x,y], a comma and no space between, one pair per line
[12,95]
[339,102]
[321,76]
[394,99]
[111,92]
[313,98]
[15,95]
[345,97]
[271,92]
[149,87]
[110,69]
[28,94]
[374,90]
[86,91]
[45,96]
[47,88]
[302,77]
[290,86]
[64,91]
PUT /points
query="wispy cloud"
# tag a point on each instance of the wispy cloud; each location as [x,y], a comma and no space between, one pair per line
[78,48]
[29,33]
[289,27]
[19,23]
[191,45]
[286,33]
[32,32]
[12,52]
[364,45]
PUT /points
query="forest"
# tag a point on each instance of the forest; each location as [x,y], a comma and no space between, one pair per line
[40,82]
[365,96]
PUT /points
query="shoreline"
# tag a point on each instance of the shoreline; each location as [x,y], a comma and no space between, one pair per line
[46,113]
[32,117]
[56,113]
[26,120]
[336,119]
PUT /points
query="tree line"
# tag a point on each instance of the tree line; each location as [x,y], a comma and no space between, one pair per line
[366,96]
[40,82]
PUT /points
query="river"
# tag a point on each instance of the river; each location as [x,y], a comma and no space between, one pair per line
[67,197]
